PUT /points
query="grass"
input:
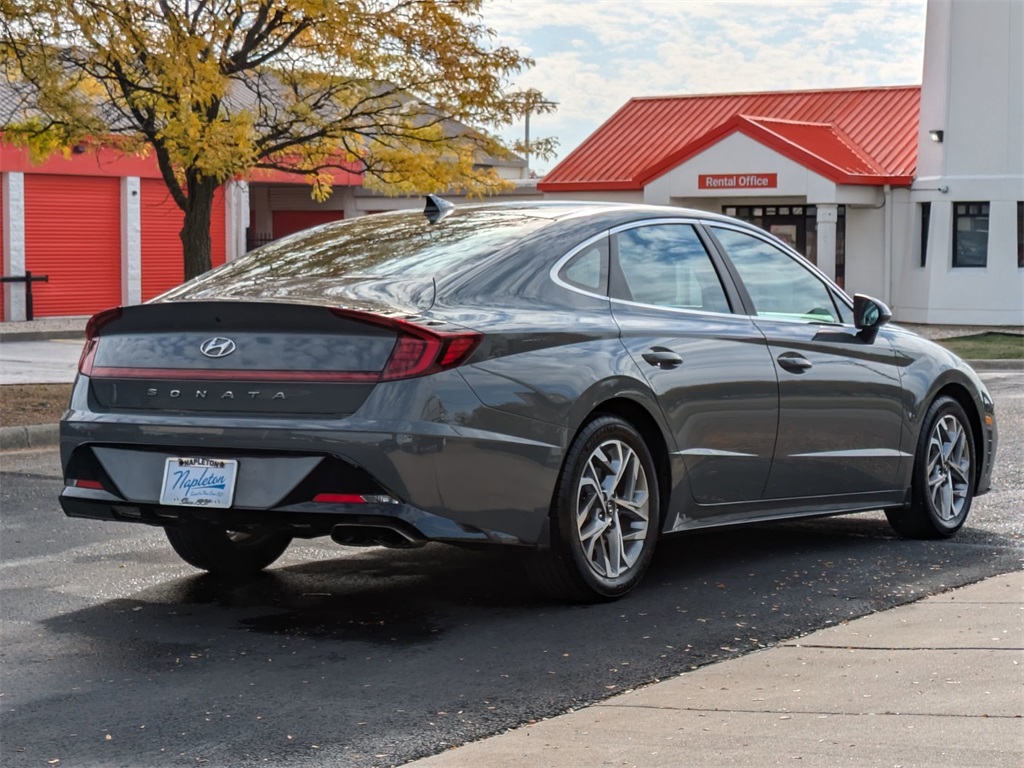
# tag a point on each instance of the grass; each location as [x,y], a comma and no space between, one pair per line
[23,404]
[987,346]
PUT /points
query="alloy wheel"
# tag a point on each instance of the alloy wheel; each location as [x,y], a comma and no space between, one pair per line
[948,468]
[612,509]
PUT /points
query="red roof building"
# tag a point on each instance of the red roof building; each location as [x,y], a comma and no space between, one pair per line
[804,165]
[852,136]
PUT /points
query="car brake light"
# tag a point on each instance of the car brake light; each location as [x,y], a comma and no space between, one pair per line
[353,498]
[338,498]
[419,351]
[92,331]
[94,485]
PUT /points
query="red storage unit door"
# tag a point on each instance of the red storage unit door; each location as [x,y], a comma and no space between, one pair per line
[163,260]
[163,265]
[73,234]
[218,230]
[287,222]
[2,270]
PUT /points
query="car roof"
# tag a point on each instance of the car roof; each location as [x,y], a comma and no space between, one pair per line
[562,209]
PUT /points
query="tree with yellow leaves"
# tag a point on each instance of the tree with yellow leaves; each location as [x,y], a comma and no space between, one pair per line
[401,91]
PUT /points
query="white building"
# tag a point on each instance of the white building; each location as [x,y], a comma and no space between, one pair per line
[960,230]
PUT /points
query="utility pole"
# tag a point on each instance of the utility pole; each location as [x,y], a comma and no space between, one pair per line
[526,138]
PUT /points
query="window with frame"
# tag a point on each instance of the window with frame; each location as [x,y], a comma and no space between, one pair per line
[666,265]
[588,269]
[926,217]
[780,287]
[970,234]
[1020,235]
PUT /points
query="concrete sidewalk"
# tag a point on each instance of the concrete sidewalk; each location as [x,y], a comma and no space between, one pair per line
[934,683]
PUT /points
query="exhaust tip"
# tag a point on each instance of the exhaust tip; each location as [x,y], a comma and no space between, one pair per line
[391,535]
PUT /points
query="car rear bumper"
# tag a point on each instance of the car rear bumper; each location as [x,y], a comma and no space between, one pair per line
[394,525]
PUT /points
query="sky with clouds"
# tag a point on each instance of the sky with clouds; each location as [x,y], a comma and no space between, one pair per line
[592,56]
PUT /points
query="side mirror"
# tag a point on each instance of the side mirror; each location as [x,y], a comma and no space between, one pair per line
[870,314]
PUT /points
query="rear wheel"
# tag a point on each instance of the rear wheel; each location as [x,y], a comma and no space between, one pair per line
[226,553]
[605,516]
[943,476]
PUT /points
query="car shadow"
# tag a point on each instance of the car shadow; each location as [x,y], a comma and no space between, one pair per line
[407,597]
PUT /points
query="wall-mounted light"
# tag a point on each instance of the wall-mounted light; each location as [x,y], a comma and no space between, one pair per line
[78,149]
[936,136]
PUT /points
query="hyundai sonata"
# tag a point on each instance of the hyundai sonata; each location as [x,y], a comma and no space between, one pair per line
[576,380]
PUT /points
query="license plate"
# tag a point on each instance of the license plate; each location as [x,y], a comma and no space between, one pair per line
[199,482]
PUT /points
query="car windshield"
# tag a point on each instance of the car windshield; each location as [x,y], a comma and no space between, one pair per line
[404,244]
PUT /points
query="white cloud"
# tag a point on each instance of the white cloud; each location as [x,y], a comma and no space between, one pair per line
[592,57]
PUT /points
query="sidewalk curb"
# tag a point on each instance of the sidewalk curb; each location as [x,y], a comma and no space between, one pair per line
[41,335]
[996,365]
[32,436]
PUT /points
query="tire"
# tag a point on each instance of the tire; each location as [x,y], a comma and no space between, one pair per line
[226,553]
[605,516]
[944,475]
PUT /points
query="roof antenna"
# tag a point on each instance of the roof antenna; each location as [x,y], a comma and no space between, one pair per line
[437,208]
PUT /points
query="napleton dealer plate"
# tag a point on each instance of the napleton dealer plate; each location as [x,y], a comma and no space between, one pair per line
[195,482]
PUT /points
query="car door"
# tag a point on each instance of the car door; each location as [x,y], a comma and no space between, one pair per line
[709,367]
[840,411]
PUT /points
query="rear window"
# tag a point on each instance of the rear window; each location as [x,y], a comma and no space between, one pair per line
[404,244]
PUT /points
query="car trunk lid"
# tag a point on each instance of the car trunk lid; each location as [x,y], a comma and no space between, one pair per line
[259,357]
[236,357]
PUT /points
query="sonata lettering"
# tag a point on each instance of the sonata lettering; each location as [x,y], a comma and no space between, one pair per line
[737,181]
[201,394]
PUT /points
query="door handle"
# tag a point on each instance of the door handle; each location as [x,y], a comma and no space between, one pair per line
[662,358]
[794,361]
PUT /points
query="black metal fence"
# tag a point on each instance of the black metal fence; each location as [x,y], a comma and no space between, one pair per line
[253,240]
[28,278]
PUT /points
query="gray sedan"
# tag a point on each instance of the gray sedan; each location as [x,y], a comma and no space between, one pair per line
[576,380]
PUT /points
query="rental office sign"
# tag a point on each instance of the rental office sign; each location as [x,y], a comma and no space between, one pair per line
[737,181]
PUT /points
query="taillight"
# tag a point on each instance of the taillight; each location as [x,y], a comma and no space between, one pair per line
[93,485]
[419,351]
[353,498]
[92,331]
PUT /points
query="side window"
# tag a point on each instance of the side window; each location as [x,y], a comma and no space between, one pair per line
[779,285]
[667,265]
[845,313]
[588,269]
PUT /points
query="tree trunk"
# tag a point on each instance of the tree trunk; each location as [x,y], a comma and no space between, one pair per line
[195,234]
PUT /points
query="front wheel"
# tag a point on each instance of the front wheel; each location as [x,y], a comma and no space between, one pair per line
[943,475]
[226,553]
[604,518]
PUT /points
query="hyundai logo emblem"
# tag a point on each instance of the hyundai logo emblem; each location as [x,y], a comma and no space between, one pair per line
[218,346]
